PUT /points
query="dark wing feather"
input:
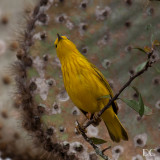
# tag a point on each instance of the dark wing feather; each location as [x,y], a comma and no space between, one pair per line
[104,81]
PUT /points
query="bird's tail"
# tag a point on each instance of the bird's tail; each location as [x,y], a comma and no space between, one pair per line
[115,128]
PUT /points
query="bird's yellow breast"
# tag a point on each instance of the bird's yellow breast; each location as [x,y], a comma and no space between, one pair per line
[82,85]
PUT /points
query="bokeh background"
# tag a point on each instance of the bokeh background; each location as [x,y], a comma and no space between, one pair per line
[105,32]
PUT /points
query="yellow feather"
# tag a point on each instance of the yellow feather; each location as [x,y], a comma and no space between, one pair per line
[85,84]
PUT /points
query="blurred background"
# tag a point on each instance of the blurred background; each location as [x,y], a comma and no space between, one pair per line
[105,32]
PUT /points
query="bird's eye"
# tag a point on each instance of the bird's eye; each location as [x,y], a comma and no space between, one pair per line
[56,46]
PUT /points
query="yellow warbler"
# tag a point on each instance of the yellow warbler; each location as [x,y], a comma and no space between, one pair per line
[85,84]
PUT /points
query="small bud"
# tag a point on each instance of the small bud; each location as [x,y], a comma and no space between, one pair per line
[131,72]
[78,147]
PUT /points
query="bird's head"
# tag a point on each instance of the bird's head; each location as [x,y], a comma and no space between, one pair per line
[64,47]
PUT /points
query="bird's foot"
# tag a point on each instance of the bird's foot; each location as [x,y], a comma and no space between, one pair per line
[88,115]
[80,128]
[96,119]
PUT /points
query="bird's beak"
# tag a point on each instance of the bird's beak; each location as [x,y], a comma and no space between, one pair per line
[59,37]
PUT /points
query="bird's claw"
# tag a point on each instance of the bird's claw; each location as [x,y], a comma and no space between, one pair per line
[80,129]
[96,119]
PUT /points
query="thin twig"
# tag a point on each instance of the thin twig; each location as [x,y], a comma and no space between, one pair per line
[97,149]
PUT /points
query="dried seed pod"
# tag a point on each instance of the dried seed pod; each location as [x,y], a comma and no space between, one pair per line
[66,145]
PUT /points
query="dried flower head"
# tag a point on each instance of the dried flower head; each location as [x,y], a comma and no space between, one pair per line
[75,111]
[102,14]
[117,151]
[61,18]
[63,96]
[140,140]
[106,63]
[56,108]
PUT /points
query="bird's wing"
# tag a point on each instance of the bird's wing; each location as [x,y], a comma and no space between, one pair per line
[104,81]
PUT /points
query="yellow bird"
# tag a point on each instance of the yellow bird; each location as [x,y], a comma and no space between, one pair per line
[85,84]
